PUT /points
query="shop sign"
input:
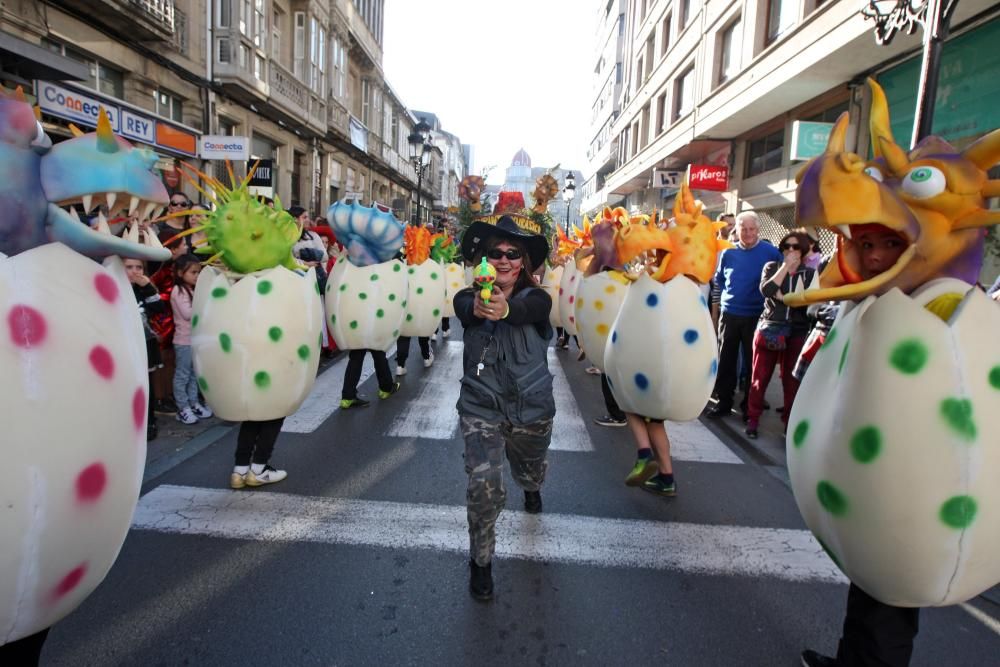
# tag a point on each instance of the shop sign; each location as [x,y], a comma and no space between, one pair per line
[708,177]
[138,127]
[223,147]
[72,105]
[809,139]
[663,178]
[262,175]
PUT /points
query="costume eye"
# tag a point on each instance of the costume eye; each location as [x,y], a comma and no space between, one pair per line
[874,173]
[924,182]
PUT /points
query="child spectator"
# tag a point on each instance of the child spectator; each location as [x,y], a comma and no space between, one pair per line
[189,410]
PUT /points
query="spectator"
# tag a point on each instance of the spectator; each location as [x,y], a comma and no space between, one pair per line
[150,303]
[815,256]
[309,249]
[741,304]
[190,409]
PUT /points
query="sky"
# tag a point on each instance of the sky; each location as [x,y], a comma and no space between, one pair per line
[500,75]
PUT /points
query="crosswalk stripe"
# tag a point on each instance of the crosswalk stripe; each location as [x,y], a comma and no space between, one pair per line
[780,553]
[431,413]
[569,433]
[691,441]
[325,397]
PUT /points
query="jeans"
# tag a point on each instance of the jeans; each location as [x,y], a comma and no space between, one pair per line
[764,361]
[185,379]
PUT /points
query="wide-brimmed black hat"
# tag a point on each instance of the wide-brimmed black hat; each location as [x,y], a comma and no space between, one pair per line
[517,227]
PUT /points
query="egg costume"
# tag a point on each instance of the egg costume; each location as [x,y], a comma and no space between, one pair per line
[71,347]
[894,439]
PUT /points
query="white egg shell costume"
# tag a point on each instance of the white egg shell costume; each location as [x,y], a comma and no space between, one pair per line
[568,282]
[894,446]
[599,298]
[550,283]
[256,341]
[364,304]
[454,277]
[662,356]
[425,299]
[73,404]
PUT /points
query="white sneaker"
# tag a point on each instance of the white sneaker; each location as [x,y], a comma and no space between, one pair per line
[429,361]
[201,411]
[434,337]
[400,370]
[186,416]
[446,333]
[267,476]
[237,479]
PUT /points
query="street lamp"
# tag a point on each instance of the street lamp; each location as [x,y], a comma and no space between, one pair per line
[568,193]
[420,153]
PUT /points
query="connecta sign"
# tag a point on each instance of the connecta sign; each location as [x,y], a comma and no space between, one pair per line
[223,147]
[73,105]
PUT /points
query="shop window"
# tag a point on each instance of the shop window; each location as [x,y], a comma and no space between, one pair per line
[766,153]
[781,15]
[169,105]
[684,93]
[729,58]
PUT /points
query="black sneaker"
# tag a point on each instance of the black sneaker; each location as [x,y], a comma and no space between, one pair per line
[481,581]
[719,411]
[811,658]
[348,403]
[165,406]
[608,420]
[151,432]
[533,502]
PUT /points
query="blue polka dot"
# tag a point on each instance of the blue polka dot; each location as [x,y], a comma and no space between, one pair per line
[690,336]
[714,368]
[703,301]
[614,336]
[641,381]
[651,300]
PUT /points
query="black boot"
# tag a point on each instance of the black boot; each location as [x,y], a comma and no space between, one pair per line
[481,580]
[533,502]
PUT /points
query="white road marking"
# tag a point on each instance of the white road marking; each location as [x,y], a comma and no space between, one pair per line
[569,433]
[782,553]
[431,413]
[324,399]
[981,616]
[691,441]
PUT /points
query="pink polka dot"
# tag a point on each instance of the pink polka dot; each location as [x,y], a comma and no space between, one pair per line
[90,483]
[572,319]
[572,298]
[102,362]
[106,287]
[27,326]
[139,408]
[560,291]
[70,581]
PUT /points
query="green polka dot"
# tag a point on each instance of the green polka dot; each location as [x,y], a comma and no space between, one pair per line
[404,304]
[436,312]
[829,552]
[374,277]
[226,342]
[397,268]
[203,384]
[995,377]
[362,296]
[303,352]
[958,511]
[434,276]
[843,357]
[320,340]
[420,290]
[343,288]
[353,324]
[219,292]
[411,271]
[316,285]
[274,333]
[392,297]
[194,321]
[866,444]
[264,287]
[830,337]
[409,317]
[379,313]
[831,498]
[957,412]
[395,333]
[800,433]
[262,379]
[333,319]
[909,356]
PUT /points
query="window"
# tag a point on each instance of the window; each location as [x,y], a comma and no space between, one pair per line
[618,72]
[349,185]
[661,112]
[180,39]
[245,17]
[259,67]
[684,12]
[101,77]
[169,105]
[635,139]
[317,57]
[650,53]
[781,16]
[244,56]
[224,17]
[684,93]
[276,20]
[299,54]
[729,59]
[642,10]
[339,63]
[638,74]
[644,128]
[259,25]
[665,34]
[227,127]
[225,53]
[830,115]
[334,171]
[765,154]
[365,101]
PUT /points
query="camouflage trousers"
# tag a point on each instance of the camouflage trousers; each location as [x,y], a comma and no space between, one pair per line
[485,445]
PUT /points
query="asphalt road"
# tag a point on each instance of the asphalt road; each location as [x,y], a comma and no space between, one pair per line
[359,557]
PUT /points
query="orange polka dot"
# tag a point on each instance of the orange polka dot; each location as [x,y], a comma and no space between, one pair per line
[610,289]
[602,329]
[598,305]
[579,302]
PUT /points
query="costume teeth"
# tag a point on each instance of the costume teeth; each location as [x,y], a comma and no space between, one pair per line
[845,230]
[112,198]
[132,205]
[102,225]
[88,200]
[149,209]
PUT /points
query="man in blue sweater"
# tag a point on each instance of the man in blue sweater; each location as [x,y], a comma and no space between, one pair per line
[738,277]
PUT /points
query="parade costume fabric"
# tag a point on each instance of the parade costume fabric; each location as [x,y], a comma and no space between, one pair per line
[893,439]
[72,347]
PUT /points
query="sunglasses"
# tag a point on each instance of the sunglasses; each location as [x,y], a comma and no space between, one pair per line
[497,253]
[179,203]
[789,246]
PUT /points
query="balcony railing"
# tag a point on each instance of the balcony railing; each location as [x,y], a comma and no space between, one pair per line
[287,91]
[159,10]
[141,19]
[338,117]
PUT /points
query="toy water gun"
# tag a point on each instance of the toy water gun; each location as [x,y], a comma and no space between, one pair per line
[483,277]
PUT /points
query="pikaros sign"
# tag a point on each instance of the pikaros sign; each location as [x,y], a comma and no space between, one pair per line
[223,147]
[708,177]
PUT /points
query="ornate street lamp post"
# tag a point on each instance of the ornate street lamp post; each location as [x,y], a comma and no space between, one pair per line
[420,154]
[569,191]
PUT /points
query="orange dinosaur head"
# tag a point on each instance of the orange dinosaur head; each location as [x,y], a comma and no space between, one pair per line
[642,246]
[694,241]
[923,210]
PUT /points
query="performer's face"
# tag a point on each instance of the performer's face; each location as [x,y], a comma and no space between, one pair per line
[508,269]
[880,248]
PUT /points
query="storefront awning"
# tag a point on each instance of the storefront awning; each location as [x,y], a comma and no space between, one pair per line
[30,61]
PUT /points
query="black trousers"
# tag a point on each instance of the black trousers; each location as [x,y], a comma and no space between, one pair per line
[876,634]
[609,399]
[26,651]
[735,331]
[403,348]
[255,441]
[352,374]
[445,323]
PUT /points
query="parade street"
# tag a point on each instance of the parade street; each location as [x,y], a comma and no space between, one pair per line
[360,557]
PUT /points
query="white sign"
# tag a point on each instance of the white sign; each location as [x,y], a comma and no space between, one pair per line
[667,179]
[223,147]
[138,127]
[72,105]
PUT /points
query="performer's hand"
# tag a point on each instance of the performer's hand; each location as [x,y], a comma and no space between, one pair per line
[493,310]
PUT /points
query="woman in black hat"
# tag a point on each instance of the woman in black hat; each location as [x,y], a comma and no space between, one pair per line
[506,404]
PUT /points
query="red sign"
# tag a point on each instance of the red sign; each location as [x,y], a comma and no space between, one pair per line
[708,177]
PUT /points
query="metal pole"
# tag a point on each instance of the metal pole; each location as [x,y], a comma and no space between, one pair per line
[567,217]
[420,178]
[935,33]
